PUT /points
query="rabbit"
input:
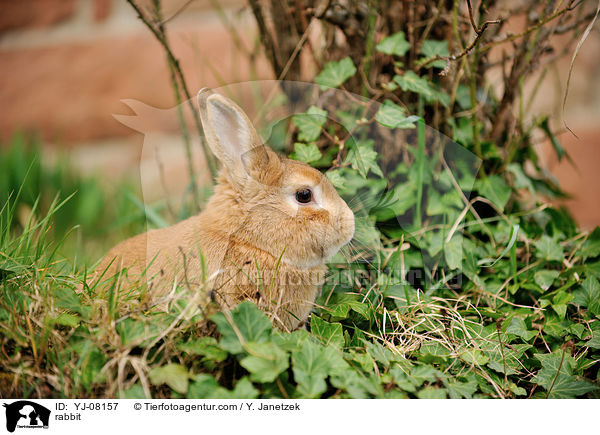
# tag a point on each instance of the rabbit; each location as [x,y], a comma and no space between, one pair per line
[264,235]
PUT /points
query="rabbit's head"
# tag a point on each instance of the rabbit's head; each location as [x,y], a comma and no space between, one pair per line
[275,204]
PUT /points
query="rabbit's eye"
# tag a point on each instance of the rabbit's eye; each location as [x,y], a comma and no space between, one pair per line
[304,196]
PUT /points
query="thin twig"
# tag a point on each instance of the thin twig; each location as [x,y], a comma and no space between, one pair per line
[179,73]
[478,32]
[177,12]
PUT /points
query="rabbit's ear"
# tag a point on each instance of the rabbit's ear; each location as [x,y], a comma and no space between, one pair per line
[230,134]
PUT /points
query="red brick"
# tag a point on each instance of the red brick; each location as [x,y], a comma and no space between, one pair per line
[69,92]
[102,9]
[19,14]
[582,180]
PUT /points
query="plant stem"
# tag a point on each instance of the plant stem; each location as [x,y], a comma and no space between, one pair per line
[174,62]
[420,161]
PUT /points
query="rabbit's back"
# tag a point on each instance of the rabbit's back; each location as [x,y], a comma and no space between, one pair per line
[200,255]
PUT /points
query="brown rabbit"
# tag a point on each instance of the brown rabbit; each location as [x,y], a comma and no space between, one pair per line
[265,234]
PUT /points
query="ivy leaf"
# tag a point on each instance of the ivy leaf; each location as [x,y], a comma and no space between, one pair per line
[548,249]
[591,247]
[453,252]
[473,356]
[432,392]
[380,353]
[204,386]
[391,115]
[588,295]
[395,202]
[410,81]
[558,148]
[594,342]
[335,73]
[556,376]
[507,359]
[136,391]
[544,278]
[560,301]
[395,44]
[516,390]
[335,361]
[265,362]
[310,123]
[91,361]
[244,390]
[69,300]
[421,374]
[310,367]
[403,380]
[137,331]
[67,319]
[175,376]
[363,158]
[206,347]
[348,119]
[306,152]
[328,333]
[592,289]
[251,323]
[341,303]
[432,48]
[458,390]
[291,341]
[462,130]
[521,180]
[336,178]
[494,188]
[357,385]
[518,327]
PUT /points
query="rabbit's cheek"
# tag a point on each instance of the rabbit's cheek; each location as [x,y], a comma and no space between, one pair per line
[346,224]
[315,214]
[349,225]
[321,216]
[346,233]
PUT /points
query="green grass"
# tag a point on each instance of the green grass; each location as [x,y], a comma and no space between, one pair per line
[102,214]
[517,316]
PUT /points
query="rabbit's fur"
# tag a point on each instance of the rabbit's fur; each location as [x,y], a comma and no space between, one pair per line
[252,223]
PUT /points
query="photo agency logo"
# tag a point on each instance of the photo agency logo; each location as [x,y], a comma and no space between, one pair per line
[25,414]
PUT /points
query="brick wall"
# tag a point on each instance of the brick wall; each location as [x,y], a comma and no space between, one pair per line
[66,64]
